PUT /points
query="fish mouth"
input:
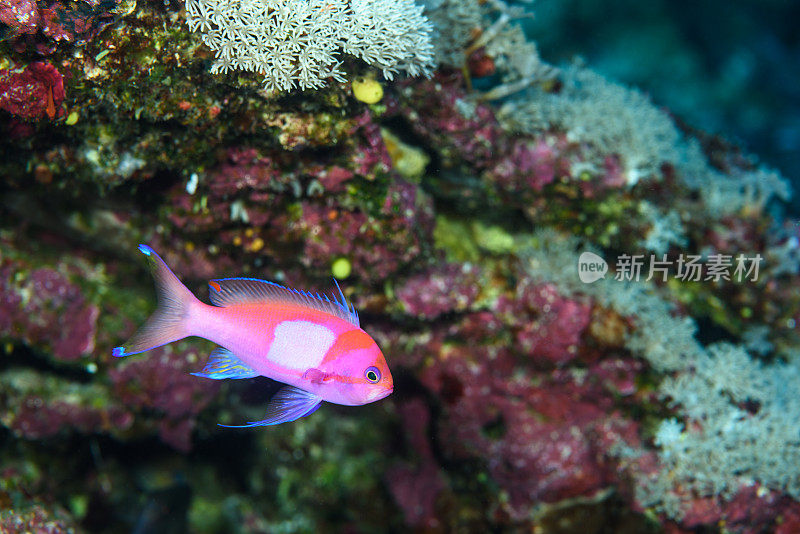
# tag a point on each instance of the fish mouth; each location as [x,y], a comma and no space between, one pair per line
[379,394]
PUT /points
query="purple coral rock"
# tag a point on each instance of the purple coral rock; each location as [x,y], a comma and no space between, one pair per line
[245,170]
[618,375]
[546,325]
[245,188]
[38,28]
[451,287]
[35,519]
[177,433]
[35,418]
[376,246]
[160,380]
[333,178]
[790,519]
[529,165]
[22,16]
[370,155]
[543,435]
[469,137]
[614,176]
[44,308]
[537,437]
[416,488]
[33,92]
[751,510]
[445,115]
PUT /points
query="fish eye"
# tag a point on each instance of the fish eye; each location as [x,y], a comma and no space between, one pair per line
[372,374]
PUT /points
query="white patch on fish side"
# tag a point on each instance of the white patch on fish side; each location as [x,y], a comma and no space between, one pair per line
[300,344]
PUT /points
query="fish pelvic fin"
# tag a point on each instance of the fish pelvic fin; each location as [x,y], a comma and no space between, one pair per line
[288,404]
[170,321]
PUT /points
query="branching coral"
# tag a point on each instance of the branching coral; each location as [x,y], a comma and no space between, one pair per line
[609,117]
[472,27]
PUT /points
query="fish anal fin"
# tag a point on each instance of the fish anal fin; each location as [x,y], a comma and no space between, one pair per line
[289,404]
[222,363]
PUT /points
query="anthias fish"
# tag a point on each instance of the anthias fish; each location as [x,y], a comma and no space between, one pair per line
[309,342]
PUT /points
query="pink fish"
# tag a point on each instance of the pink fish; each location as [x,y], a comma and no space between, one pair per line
[311,343]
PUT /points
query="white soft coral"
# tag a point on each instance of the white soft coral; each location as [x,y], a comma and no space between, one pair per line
[298,43]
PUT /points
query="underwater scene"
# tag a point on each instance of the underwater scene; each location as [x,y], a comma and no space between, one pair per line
[429,266]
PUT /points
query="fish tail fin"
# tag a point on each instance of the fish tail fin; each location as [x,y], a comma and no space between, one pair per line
[170,321]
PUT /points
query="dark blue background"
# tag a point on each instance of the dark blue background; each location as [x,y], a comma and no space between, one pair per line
[730,67]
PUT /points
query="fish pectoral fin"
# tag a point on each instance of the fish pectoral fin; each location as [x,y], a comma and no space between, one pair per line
[315,376]
[289,404]
[222,363]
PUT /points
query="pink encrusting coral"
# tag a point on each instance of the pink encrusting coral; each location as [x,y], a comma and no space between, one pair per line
[443,289]
[469,137]
[42,27]
[38,417]
[417,486]
[463,130]
[531,165]
[398,233]
[542,434]
[22,16]
[33,92]
[46,310]
[546,325]
[521,430]
[370,155]
[161,381]
[537,435]
[261,204]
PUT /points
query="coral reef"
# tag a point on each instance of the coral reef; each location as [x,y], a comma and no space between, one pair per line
[526,398]
[161,381]
[34,92]
[42,308]
[37,519]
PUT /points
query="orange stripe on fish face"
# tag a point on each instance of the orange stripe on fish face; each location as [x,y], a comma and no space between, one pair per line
[350,340]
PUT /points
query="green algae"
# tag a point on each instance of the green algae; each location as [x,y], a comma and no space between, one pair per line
[303,482]
[471,240]
[140,101]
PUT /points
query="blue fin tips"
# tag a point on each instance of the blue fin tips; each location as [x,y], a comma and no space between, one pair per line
[289,404]
[347,306]
[223,364]
[144,249]
[118,352]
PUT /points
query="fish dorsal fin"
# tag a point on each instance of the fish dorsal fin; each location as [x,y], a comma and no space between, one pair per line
[230,291]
